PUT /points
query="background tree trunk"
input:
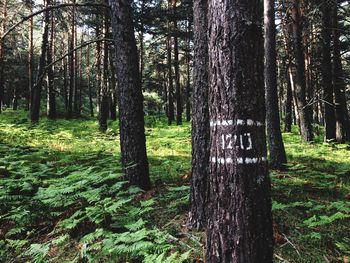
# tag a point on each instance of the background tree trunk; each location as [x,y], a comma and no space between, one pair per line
[171,112]
[299,82]
[329,114]
[104,107]
[2,54]
[35,109]
[276,147]
[177,70]
[51,94]
[72,72]
[341,110]
[240,220]
[131,116]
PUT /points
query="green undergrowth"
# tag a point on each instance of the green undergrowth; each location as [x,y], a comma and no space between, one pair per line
[63,199]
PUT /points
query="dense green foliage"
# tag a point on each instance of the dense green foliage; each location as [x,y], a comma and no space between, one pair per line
[63,198]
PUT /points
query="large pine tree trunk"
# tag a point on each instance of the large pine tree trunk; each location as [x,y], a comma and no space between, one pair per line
[341,110]
[299,82]
[131,115]
[200,118]
[329,114]
[276,147]
[35,108]
[240,221]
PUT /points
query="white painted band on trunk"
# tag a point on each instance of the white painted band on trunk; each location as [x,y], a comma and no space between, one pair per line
[241,160]
[238,122]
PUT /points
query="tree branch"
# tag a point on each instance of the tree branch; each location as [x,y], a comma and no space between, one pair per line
[48,9]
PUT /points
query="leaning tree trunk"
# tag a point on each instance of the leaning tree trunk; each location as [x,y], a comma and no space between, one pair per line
[300,83]
[329,114]
[240,221]
[276,147]
[200,118]
[35,109]
[131,115]
[341,110]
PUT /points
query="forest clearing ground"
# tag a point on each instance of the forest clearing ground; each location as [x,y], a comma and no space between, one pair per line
[62,198]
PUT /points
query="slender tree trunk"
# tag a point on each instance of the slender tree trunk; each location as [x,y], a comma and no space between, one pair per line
[104,107]
[341,110]
[131,115]
[177,70]
[35,109]
[200,119]
[65,84]
[51,94]
[2,54]
[188,84]
[88,74]
[98,68]
[141,36]
[113,89]
[171,113]
[76,96]
[30,59]
[300,84]
[71,67]
[240,221]
[276,147]
[289,101]
[327,73]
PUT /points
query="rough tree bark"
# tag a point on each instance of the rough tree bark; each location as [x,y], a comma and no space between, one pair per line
[37,88]
[131,115]
[240,221]
[299,81]
[276,147]
[329,114]
[200,118]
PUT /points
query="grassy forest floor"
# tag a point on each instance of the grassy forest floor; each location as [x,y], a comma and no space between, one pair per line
[62,198]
